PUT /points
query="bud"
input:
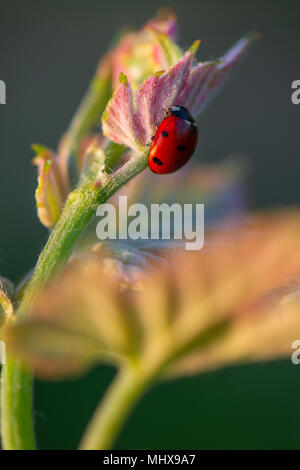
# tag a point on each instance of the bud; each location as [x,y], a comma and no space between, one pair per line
[139,54]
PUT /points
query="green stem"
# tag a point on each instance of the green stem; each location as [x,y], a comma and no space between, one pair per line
[80,207]
[120,398]
[16,407]
[17,426]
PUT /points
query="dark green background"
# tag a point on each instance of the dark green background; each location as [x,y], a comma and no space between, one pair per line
[48,52]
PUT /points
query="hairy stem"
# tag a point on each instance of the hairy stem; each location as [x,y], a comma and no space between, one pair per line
[16,402]
[114,408]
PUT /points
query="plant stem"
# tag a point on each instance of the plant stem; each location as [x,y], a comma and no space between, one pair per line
[16,402]
[114,408]
[16,407]
[16,388]
[80,207]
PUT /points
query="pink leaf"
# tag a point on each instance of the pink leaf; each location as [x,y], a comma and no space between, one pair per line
[132,120]
[160,91]
[134,128]
[216,74]
[119,121]
[193,90]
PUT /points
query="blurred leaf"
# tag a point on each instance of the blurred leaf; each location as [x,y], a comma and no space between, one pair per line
[221,188]
[227,303]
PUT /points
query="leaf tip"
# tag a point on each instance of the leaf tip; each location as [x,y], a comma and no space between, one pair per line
[194,47]
[123,79]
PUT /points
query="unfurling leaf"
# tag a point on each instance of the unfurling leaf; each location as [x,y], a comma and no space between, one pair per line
[52,186]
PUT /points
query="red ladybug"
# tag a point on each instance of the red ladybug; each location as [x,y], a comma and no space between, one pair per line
[174,142]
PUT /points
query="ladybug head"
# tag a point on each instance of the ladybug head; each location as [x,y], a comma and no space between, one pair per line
[179,111]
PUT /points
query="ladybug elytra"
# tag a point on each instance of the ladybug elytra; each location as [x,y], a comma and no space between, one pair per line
[174,142]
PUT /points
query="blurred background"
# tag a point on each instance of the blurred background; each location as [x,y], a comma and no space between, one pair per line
[48,53]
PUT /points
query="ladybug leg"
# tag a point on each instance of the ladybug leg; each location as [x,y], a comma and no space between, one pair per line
[152,138]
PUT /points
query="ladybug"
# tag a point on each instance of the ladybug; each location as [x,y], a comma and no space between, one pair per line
[174,142]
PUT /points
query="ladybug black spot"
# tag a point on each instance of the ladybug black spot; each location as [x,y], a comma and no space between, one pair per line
[157,161]
[165,134]
[181,148]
